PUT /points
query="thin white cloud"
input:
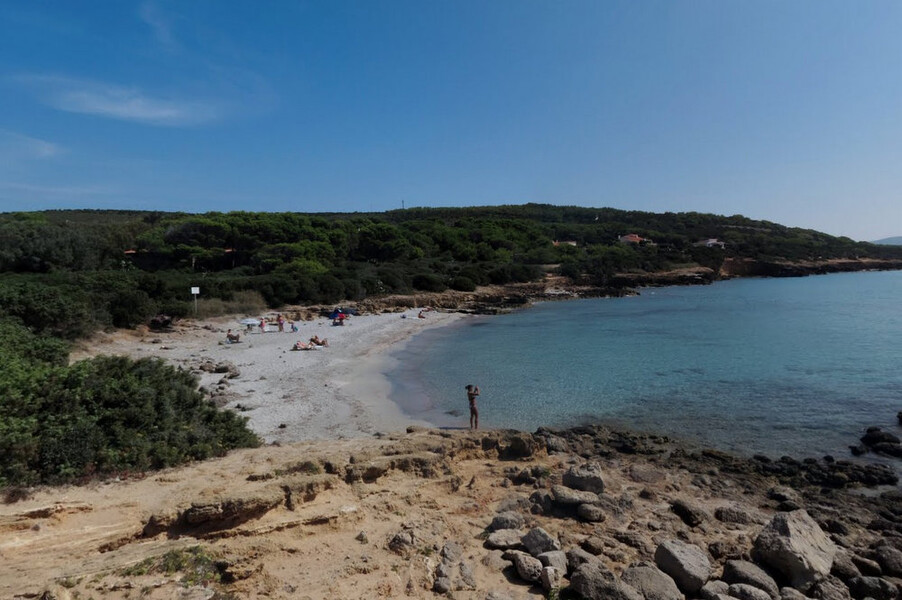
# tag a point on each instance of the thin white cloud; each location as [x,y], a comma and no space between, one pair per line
[151,14]
[15,193]
[16,146]
[125,103]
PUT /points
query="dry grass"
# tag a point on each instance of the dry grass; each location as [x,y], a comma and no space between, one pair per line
[247,302]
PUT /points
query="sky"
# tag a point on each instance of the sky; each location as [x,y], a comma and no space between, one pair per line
[784,111]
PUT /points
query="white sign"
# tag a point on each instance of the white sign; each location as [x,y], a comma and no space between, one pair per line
[195,290]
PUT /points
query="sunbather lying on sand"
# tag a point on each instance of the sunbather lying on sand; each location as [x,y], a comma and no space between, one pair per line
[319,342]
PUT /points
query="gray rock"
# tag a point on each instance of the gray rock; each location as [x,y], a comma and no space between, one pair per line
[872,587]
[783,494]
[538,541]
[788,593]
[829,588]
[541,502]
[402,542]
[866,566]
[587,477]
[528,568]
[555,443]
[733,515]
[504,539]
[551,578]
[441,585]
[843,566]
[565,496]
[713,588]
[651,582]
[555,558]
[687,564]
[507,520]
[691,514]
[593,545]
[890,560]
[591,513]
[451,552]
[577,557]
[744,591]
[593,581]
[743,571]
[467,578]
[795,546]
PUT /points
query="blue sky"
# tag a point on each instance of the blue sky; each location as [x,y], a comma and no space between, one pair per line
[786,111]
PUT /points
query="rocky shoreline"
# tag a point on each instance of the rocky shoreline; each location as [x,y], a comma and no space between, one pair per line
[588,512]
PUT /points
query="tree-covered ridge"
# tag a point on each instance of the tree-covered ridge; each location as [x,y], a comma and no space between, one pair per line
[118,267]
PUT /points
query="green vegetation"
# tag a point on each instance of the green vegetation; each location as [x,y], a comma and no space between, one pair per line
[196,564]
[65,274]
[102,416]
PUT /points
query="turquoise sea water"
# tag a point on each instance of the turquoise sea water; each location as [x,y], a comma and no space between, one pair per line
[795,366]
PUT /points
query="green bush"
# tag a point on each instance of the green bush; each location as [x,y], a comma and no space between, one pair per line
[428,282]
[462,284]
[100,416]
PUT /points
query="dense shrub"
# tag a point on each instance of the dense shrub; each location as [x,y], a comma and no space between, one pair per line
[462,284]
[100,416]
[428,282]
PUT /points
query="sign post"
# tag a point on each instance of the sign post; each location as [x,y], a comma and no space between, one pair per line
[195,291]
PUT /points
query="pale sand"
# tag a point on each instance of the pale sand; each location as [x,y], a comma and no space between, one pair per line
[330,393]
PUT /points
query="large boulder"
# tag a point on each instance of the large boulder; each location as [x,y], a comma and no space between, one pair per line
[504,539]
[591,513]
[538,541]
[890,560]
[585,477]
[875,436]
[691,514]
[567,496]
[793,545]
[744,591]
[577,557]
[687,564]
[593,581]
[872,587]
[743,571]
[506,520]
[651,582]
[528,568]
[556,559]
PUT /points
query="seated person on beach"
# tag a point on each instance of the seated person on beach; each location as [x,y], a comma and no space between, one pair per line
[232,338]
[293,327]
[422,314]
[337,321]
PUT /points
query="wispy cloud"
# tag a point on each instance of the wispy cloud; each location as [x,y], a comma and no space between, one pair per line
[126,103]
[16,146]
[56,191]
[161,27]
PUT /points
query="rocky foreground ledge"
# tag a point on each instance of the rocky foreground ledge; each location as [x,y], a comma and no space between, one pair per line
[583,513]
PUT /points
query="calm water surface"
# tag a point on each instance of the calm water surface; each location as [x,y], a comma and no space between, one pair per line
[794,366]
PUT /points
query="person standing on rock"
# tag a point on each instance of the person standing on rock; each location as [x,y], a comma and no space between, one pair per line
[472,392]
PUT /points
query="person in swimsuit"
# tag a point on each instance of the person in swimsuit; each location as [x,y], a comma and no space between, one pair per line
[472,392]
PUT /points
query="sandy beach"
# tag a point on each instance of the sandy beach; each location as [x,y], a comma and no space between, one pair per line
[334,392]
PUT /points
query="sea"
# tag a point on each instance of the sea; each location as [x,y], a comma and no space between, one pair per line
[782,366]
